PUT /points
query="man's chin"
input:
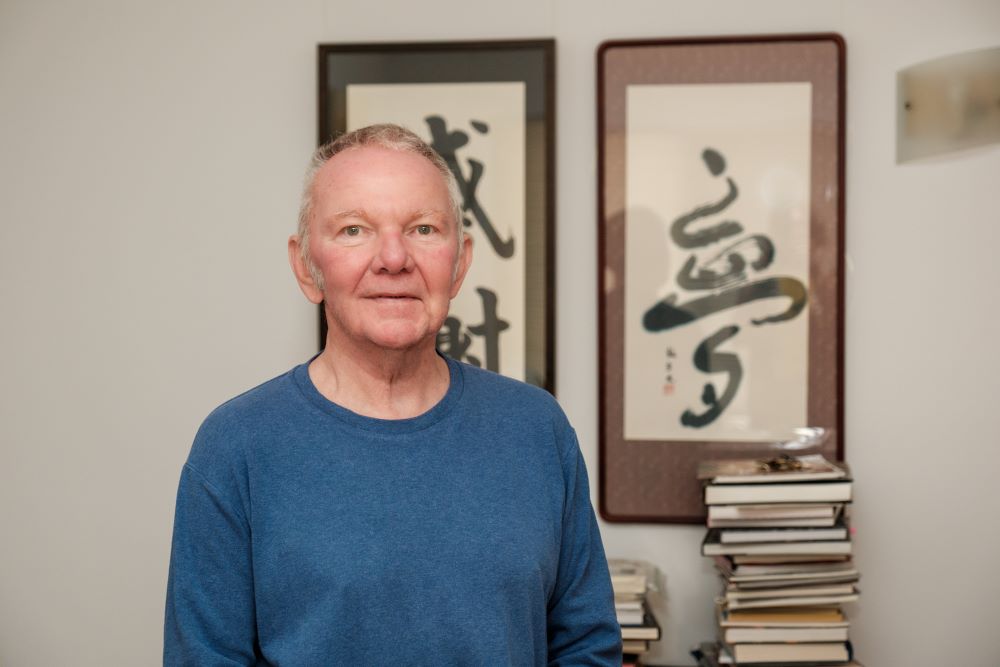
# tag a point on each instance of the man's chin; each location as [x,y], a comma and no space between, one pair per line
[403,339]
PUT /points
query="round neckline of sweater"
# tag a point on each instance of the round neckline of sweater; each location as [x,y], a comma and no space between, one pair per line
[386,426]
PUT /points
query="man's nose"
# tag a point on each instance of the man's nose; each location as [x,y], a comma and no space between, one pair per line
[393,254]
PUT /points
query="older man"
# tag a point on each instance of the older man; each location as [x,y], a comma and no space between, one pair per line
[382,504]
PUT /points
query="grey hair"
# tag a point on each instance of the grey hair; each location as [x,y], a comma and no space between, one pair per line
[383,135]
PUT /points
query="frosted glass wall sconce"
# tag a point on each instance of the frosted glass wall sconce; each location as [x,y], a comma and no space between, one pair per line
[948,104]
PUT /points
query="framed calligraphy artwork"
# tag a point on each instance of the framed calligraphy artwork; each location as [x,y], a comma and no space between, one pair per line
[721,241]
[488,108]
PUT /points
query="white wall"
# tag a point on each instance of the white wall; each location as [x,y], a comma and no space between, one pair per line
[150,158]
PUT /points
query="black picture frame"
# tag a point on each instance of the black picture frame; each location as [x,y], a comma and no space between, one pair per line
[531,64]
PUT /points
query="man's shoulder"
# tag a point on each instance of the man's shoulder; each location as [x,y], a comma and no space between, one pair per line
[258,400]
[495,389]
[229,426]
[490,381]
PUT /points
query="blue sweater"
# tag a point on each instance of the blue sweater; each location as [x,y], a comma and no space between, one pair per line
[306,534]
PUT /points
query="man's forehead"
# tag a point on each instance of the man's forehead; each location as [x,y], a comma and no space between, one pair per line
[350,179]
[366,160]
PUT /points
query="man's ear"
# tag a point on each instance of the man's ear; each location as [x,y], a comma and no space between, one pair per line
[302,274]
[462,267]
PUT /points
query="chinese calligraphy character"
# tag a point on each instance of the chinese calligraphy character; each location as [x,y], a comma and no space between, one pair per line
[707,360]
[452,341]
[447,144]
[725,277]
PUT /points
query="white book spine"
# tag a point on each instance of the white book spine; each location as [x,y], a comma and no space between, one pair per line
[790,548]
[727,494]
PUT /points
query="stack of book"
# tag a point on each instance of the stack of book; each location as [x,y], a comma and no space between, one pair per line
[631,580]
[779,534]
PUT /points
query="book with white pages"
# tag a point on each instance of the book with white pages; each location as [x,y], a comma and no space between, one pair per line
[816,601]
[648,630]
[771,581]
[768,634]
[628,576]
[712,546]
[806,468]
[733,535]
[779,617]
[769,511]
[771,523]
[629,612]
[776,653]
[735,572]
[783,548]
[629,616]
[628,604]
[713,654]
[838,491]
[635,646]
[788,559]
[789,592]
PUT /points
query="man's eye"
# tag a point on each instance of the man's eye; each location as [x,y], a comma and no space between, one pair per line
[352,230]
[424,230]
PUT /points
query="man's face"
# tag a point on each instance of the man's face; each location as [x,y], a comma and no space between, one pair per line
[383,237]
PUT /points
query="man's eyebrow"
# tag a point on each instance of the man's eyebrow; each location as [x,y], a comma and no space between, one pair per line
[361,214]
[429,213]
[351,213]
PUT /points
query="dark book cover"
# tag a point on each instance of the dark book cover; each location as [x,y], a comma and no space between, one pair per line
[649,629]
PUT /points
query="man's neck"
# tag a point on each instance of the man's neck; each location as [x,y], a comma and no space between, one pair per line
[386,384]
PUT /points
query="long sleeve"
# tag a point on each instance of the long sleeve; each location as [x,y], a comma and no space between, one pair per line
[209,617]
[582,628]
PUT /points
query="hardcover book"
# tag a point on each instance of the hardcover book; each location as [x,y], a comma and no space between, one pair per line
[836,491]
[781,617]
[732,570]
[735,594]
[713,546]
[767,634]
[814,601]
[629,577]
[828,652]
[772,512]
[752,471]
[789,559]
[733,535]
[648,630]
[745,583]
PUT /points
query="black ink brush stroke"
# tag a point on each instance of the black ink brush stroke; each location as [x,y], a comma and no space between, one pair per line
[693,276]
[667,314]
[706,359]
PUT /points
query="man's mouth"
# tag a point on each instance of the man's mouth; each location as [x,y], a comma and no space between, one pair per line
[393,297]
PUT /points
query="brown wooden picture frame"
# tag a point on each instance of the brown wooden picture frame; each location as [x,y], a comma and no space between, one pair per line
[648,479]
[531,62]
